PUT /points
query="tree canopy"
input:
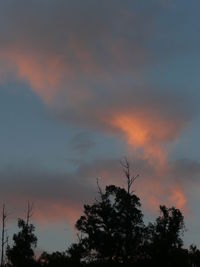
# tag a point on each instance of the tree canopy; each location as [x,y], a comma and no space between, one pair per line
[21,254]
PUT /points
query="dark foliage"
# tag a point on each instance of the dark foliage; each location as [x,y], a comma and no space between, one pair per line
[54,259]
[22,253]
[112,227]
[166,239]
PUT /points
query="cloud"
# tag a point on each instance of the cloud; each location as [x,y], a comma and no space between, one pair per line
[186,169]
[90,63]
[148,131]
[60,196]
[82,143]
[87,62]
[56,196]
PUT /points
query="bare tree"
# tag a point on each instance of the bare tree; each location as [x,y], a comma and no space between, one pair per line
[29,213]
[99,188]
[4,237]
[130,179]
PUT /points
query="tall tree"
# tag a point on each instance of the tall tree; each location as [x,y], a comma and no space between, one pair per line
[113,226]
[169,228]
[21,254]
[166,238]
[4,238]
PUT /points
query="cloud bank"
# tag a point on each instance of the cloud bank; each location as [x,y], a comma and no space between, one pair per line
[90,65]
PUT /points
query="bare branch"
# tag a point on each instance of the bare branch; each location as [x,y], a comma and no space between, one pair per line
[130,179]
[3,240]
[99,188]
[29,213]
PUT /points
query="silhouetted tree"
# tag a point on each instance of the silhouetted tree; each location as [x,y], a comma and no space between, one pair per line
[4,237]
[112,227]
[166,237]
[56,259]
[21,254]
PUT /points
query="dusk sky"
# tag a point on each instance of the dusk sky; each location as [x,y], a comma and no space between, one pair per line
[84,83]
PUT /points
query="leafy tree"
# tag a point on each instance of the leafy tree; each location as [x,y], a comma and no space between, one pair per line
[113,226]
[22,254]
[169,227]
[166,238]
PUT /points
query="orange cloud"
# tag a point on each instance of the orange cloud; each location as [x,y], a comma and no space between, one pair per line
[158,190]
[53,75]
[178,198]
[141,133]
[45,210]
[43,74]
[54,212]
[148,131]
[144,128]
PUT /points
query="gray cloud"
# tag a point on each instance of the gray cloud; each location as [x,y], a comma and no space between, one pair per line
[92,58]
[70,191]
[56,192]
[186,170]
[82,143]
[92,63]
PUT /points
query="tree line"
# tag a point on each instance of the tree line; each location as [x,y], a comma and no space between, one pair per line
[111,232]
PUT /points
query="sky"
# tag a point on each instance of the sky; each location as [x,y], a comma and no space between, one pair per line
[84,84]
